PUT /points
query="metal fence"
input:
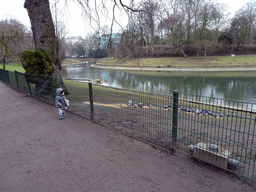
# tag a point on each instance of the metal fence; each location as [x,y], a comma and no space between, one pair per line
[220,132]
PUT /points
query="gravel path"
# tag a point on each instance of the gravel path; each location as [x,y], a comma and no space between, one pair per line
[39,152]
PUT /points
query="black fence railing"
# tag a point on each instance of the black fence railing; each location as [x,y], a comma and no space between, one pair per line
[220,132]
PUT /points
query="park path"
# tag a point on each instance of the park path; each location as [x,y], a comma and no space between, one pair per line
[39,152]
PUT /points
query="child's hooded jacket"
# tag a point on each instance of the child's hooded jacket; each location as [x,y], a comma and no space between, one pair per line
[60,99]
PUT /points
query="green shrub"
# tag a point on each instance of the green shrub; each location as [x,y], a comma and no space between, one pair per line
[176,52]
[36,62]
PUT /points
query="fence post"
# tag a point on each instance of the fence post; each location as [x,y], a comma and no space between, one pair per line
[29,87]
[6,76]
[16,77]
[175,115]
[52,88]
[1,74]
[91,101]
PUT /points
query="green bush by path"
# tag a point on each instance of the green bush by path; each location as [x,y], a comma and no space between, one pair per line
[37,62]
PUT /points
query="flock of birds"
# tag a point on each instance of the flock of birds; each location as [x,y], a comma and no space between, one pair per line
[193,110]
[185,109]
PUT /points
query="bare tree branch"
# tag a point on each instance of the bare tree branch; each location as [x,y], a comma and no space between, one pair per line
[129,8]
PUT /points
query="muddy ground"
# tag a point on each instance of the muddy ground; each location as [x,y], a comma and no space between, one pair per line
[39,152]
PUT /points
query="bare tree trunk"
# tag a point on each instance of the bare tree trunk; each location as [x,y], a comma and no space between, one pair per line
[44,33]
[43,30]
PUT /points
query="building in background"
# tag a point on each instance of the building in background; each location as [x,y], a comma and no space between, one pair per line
[79,47]
[110,40]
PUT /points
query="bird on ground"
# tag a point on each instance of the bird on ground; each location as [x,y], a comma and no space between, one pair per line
[140,105]
[165,106]
[129,103]
[189,110]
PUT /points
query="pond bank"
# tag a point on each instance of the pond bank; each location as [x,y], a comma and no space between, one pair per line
[211,69]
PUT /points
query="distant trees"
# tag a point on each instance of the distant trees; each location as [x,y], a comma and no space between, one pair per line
[187,27]
[176,23]
[191,23]
[243,26]
[127,45]
[175,27]
[98,53]
[208,14]
[14,38]
[240,30]
[148,19]
[61,38]
[80,50]
[95,46]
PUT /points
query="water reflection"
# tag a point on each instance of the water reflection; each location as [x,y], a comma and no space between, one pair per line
[201,83]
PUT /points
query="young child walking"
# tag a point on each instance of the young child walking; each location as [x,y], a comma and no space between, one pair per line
[61,102]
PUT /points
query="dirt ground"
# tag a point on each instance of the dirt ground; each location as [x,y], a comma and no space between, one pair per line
[39,152]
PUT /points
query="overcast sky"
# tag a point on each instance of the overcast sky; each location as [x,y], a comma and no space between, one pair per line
[15,9]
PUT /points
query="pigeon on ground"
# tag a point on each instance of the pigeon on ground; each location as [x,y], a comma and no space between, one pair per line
[140,105]
[129,103]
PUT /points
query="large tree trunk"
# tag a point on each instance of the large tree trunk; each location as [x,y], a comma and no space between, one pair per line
[44,33]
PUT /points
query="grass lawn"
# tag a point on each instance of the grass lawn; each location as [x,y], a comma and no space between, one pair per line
[208,61]
[13,66]
[18,67]
[165,62]
[69,60]
[234,74]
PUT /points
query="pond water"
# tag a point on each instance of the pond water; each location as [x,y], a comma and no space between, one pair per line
[225,85]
